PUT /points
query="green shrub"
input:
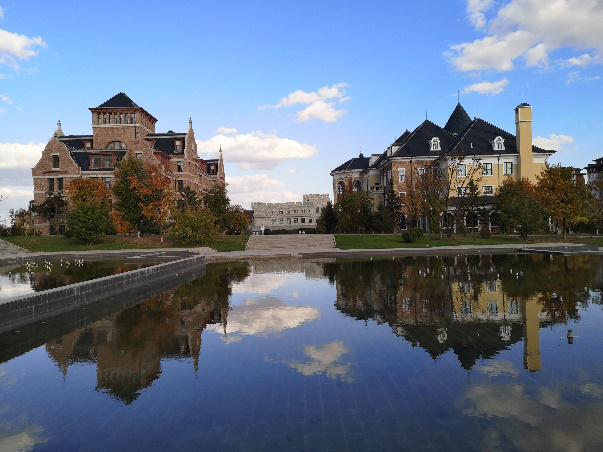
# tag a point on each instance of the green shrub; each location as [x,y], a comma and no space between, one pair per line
[194,226]
[412,235]
[88,221]
[484,232]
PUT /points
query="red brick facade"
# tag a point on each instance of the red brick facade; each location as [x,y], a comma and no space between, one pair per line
[120,129]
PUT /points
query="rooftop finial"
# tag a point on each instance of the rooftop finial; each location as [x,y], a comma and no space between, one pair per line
[190,122]
[220,149]
[458,96]
[59,131]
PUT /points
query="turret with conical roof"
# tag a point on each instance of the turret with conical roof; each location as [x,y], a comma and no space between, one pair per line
[458,121]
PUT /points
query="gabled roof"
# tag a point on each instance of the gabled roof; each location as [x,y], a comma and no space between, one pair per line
[166,144]
[120,100]
[417,143]
[458,121]
[357,163]
[476,140]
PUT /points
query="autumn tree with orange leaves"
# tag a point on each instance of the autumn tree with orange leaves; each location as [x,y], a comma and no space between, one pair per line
[157,198]
[88,216]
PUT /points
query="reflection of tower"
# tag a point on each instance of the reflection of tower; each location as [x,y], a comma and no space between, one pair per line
[531,335]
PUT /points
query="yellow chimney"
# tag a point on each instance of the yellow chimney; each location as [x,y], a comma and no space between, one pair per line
[523,137]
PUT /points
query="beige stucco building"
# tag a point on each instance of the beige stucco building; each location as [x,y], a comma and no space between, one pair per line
[288,215]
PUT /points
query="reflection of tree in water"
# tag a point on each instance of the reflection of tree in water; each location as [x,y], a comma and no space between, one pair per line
[62,275]
[128,347]
[475,306]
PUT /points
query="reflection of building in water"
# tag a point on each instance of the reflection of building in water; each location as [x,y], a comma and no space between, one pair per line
[311,269]
[470,308]
[128,347]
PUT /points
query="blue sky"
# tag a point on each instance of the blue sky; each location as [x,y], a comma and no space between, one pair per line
[381,66]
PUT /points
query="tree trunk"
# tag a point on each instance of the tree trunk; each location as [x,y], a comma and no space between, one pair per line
[563,228]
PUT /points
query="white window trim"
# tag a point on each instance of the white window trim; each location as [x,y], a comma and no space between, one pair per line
[491,190]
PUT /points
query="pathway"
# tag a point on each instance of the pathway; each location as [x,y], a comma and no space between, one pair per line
[9,248]
[291,242]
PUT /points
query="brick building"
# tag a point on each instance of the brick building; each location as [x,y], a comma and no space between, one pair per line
[500,154]
[120,129]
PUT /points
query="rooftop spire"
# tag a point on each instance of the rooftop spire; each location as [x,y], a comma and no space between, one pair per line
[190,122]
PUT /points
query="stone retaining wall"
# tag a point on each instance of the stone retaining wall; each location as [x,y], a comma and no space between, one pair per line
[26,309]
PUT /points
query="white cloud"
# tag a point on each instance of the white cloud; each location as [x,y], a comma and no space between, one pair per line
[16,155]
[321,103]
[581,61]
[226,130]
[497,368]
[262,284]
[554,142]
[257,150]
[244,190]
[574,77]
[531,29]
[488,88]
[5,99]
[476,10]
[15,47]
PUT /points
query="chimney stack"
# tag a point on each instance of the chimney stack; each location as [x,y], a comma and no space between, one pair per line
[523,137]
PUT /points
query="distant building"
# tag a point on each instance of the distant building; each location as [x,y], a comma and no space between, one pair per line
[502,155]
[288,215]
[120,129]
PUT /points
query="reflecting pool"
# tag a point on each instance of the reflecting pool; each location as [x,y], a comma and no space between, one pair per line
[465,352]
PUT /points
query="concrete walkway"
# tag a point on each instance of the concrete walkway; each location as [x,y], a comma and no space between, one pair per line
[9,248]
[215,256]
[290,241]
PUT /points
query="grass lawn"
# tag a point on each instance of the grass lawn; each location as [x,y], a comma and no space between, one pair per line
[384,241]
[42,243]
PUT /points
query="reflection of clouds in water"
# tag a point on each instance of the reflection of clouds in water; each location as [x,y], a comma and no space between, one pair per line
[323,359]
[593,390]
[19,437]
[497,368]
[260,283]
[545,423]
[262,316]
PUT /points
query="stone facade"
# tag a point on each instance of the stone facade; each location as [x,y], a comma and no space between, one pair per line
[288,215]
[120,129]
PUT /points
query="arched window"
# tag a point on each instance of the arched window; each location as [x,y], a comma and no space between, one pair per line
[357,185]
[117,145]
[498,143]
[318,210]
[434,144]
[340,187]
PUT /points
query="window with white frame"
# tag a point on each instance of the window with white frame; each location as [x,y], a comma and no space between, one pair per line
[340,187]
[461,170]
[513,307]
[508,169]
[492,286]
[402,196]
[434,144]
[402,174]
[488,190]
[421,171]
[487,169]
[498,143]
[460,191]
[493,308]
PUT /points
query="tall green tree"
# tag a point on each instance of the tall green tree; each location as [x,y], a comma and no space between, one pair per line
[519,207]
[354,212]
[327,222]
[393,210]
[565,201]
[217,201]
[88,221]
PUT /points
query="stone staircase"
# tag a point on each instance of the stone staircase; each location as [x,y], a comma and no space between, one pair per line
[290,241]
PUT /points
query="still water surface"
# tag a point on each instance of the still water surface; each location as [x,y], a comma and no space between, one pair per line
[467,352]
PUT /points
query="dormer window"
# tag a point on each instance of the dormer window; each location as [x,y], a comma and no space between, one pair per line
[498,143]
[87,144]
[117,145]
[434,144]
[178,146]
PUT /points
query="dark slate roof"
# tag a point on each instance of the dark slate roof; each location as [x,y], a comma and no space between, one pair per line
[475,140]
[523,104]
[120,100]
[417,143]
[74,141]
[164,142]
[82,158]
[211,161]
[458,121]
[357,163]
[402,137]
